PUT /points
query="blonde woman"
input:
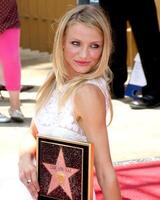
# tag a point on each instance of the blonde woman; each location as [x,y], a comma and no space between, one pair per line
[74,103]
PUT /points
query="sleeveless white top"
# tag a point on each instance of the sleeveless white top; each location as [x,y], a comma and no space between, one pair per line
[54,122]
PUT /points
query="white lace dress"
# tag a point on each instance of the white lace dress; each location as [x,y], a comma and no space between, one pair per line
[54,122]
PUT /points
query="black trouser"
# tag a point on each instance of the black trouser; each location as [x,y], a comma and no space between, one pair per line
[142,17]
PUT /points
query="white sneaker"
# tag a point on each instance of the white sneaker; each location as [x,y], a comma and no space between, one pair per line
[16,115]
[4,119]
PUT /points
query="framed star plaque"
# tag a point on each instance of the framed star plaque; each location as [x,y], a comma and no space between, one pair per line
[65,169]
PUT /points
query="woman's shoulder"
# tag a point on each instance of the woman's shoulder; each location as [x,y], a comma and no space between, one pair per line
[101,84]
[91,90]
[87,89]
[91,97]
[88,100]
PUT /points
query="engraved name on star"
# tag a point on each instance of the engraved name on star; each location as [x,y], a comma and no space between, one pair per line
[60,175]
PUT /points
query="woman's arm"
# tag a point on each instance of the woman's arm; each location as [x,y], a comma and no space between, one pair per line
[27,168]
[90,111]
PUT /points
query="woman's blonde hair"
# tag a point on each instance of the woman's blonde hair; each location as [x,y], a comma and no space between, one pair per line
[89,15]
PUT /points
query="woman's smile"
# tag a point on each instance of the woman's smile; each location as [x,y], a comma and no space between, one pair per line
[82,63]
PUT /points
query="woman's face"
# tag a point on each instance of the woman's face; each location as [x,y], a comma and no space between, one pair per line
[82,48]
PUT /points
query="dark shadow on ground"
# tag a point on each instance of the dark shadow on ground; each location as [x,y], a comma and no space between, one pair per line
[26,123]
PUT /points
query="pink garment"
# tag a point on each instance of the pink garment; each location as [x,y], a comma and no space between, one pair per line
[10,58]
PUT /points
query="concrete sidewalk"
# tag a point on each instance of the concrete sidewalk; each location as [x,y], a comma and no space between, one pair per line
[133,134]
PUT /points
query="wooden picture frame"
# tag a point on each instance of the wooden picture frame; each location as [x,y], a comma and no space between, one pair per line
[65,169]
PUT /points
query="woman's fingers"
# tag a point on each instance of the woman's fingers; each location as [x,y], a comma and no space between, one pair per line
[28,177]
[31,187]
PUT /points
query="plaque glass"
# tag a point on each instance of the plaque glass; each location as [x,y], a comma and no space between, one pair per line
[65,169]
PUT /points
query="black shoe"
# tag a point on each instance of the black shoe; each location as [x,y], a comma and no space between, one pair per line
[145,102]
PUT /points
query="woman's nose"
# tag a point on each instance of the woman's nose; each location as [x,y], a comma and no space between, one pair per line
[84,52]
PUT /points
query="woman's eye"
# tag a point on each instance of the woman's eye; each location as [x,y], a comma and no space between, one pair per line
[95,46]
[75,43]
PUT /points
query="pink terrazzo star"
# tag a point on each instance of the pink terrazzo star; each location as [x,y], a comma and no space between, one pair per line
[60,175]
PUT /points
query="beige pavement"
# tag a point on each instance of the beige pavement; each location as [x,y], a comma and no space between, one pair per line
[133,134]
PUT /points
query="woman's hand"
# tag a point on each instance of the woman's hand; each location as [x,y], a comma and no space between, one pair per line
[28,174]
